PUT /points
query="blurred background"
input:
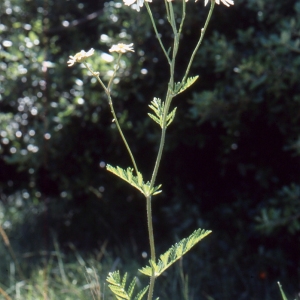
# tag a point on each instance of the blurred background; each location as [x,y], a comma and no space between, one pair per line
[231,162]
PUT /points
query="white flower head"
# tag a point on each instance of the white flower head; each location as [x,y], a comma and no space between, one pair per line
[139,3]
[121,48]
[225,2]
[79,57]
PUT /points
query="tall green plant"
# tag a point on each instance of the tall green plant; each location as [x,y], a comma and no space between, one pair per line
[163,115]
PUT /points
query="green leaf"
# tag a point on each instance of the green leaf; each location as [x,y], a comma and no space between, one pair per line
[135,181]
[126,175]
[159,109]
[174,253]
[131,287]
[124,280]
[155,119]
[182,86]
[171,116]
[140,295]
[118,287]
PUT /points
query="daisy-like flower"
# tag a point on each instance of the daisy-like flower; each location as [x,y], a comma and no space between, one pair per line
[79,57]
[225,2]
[139,3]
[121,48]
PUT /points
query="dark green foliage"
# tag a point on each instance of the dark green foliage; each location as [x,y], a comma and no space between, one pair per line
[232,152]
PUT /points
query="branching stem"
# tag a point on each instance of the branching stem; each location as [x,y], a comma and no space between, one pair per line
[110,102]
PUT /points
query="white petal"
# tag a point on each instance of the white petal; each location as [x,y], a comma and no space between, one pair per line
[129,2]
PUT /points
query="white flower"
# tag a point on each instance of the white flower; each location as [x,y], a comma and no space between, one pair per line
[121,48]
[139,3]
[79,57]
[225,2]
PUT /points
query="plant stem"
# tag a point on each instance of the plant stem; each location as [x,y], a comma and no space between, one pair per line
[156,32]
[161,143]
[169,96]
[182,18]
[107,92]
[150,228]
[168,101]
[115,71]
[121,133]
[152,245]
[203,30]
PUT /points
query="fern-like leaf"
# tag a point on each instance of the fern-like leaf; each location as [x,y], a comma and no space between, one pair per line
[175,253]
[131,287]
[171,116]
[118,287]
[158,107]
[141,294]
[182,86]
[154,118]
[135,181]
[126,175]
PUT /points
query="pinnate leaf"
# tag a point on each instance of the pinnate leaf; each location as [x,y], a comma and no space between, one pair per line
[136,181]
[183,86]
[118,287]
[159,109]
[175,253]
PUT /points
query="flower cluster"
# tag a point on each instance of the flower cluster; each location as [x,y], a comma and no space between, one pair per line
[82,55]
[139,3]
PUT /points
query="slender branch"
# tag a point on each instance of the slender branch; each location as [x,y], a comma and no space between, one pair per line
[156,32]
[182,18]
[203,30]
[173,21]
[175,50]
[115,72]
[107,92]
[168,12]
